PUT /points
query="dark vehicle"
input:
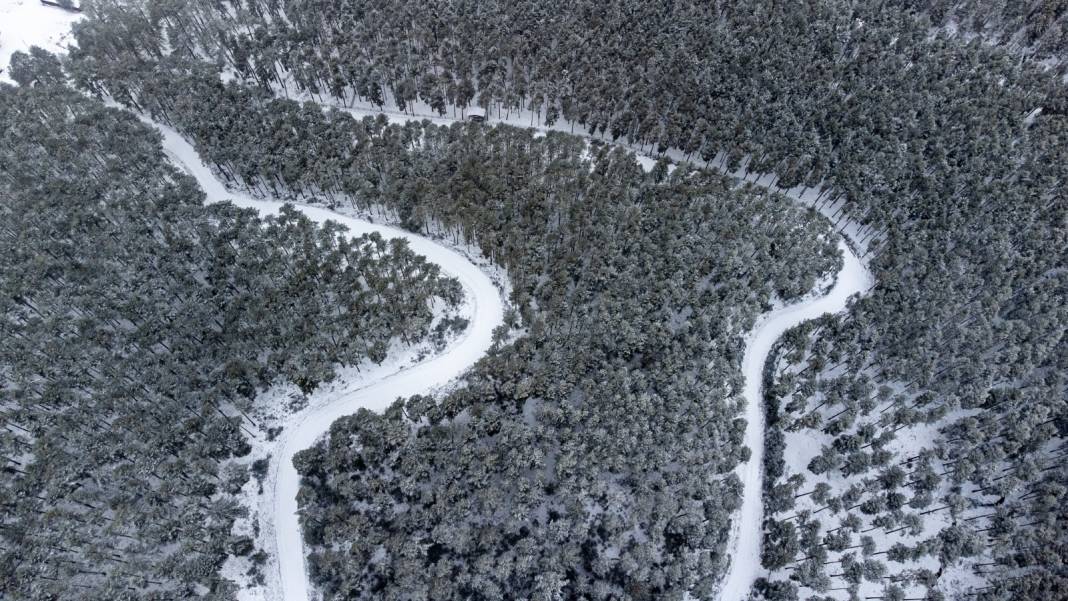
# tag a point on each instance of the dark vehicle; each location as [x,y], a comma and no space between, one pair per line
[476,115]
[70,5]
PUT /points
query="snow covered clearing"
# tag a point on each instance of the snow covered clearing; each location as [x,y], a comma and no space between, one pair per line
[803,445]
[25,23]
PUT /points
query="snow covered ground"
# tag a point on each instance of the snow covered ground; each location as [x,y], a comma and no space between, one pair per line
[803,445]
[25,23]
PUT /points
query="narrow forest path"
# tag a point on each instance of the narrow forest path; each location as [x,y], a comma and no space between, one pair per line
[487,312]
[853,278]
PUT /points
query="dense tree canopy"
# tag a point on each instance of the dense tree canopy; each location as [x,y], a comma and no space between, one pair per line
[633,289]
[934,409]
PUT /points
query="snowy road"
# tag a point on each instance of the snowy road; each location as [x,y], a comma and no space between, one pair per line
[853,278]
[50,28]
[307,426]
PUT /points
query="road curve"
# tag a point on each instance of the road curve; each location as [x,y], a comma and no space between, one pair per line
[488,313]
[308,425]
[853,278]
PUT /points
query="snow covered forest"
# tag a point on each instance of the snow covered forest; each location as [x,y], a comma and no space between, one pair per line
[651,178]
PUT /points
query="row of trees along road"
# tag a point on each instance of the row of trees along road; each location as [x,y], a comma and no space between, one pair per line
[136,324]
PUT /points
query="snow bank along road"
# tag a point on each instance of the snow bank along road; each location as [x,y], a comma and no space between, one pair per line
[307,426]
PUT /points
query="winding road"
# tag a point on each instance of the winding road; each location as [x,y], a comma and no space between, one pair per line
[487,314]
[853,278]
[488,310]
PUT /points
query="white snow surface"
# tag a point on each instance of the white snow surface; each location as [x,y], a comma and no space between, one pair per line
[376,394]
[25,23]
